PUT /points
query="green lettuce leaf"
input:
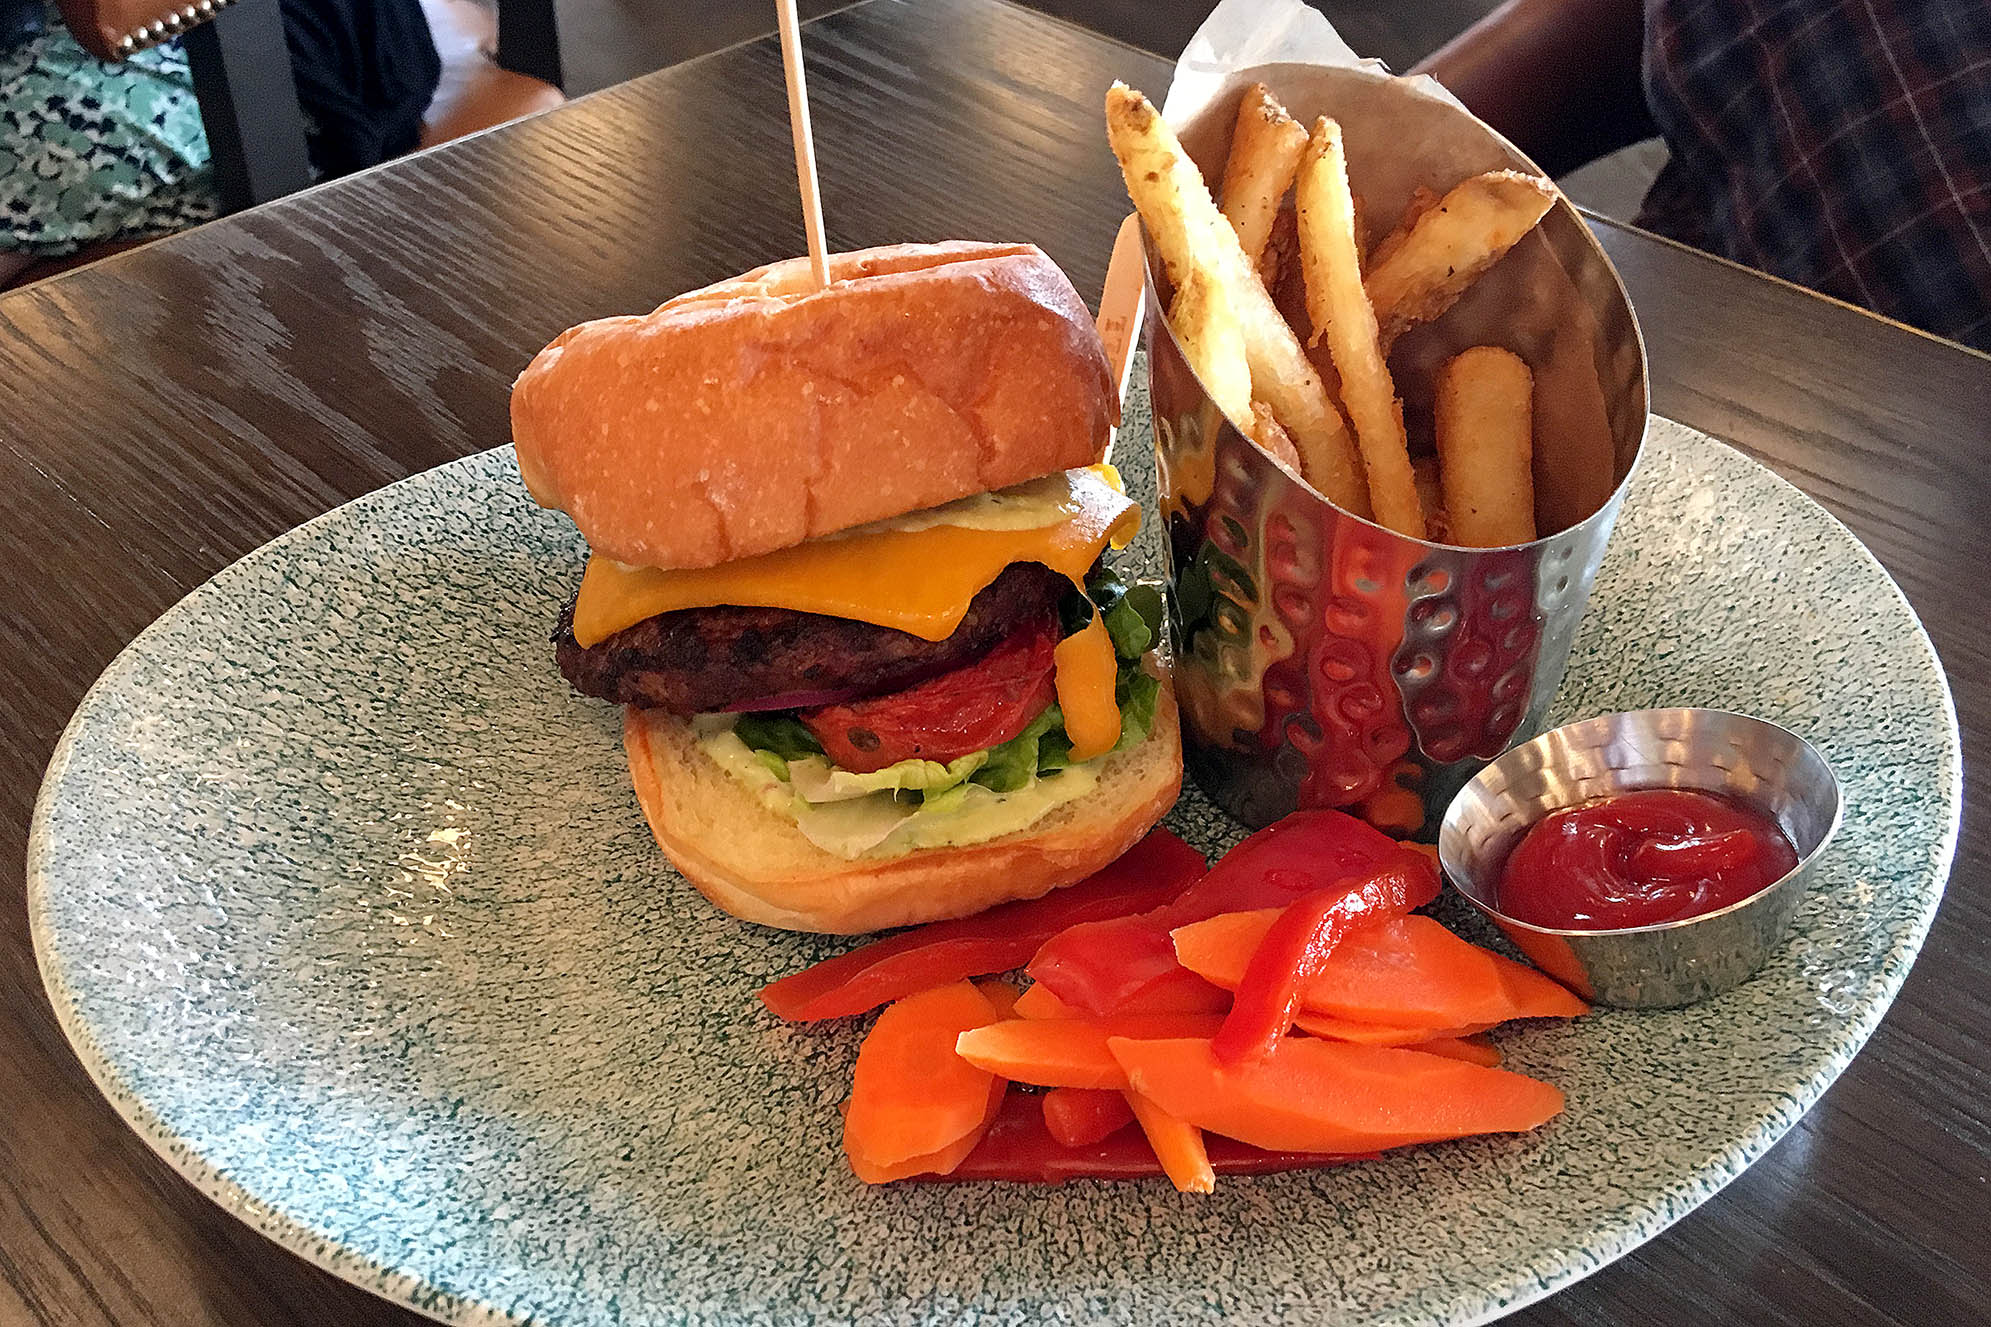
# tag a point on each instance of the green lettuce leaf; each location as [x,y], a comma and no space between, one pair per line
[1014,764]
[946,801]
[1134,623]
[779,734]
[817,780]
[1137,694]
[1054,750]
[1132,613]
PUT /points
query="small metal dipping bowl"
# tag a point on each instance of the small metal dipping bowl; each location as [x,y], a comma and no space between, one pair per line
[1768,768]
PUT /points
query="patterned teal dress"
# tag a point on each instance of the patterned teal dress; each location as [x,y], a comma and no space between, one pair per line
[96,150]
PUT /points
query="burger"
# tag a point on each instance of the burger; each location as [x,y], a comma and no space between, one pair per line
[847,576]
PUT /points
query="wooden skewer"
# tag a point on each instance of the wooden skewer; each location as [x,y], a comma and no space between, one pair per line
[805,143]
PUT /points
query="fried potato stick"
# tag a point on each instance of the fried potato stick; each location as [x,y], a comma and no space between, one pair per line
[1416,277]
[1340,312]
[1280,257]
[1208,328]
[1267,433]
[1265,152]
[1193,236]
[1485,419]
[1431,496]
[1422,200]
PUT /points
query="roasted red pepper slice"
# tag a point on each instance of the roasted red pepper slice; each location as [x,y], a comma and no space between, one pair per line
[1298,943]
[1122,965]
[972,708]
[1149,874]
[1018,1147]
[1082,1116]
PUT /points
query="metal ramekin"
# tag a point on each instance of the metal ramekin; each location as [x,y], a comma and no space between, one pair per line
[1647,967]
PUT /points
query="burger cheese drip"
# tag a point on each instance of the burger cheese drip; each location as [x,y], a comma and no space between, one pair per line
[1086,667]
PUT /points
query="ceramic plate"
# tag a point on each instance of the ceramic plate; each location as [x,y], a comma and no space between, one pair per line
[343,899]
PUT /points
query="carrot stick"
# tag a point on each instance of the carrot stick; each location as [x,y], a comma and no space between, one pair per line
[1080,1117]
[1045,1052]
[1378,1034]
[1531,994]
[913,1099]
[1473,1050]
[941,1162]
[1001,995]
[1178,1146]
[1038,1002]
[1068,1052]
[1311,1095]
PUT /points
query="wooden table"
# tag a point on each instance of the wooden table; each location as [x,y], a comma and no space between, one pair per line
[169,410]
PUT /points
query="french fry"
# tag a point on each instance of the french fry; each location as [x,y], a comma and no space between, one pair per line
[1485,425]
[1193,236]
[1280,255]
[1422,200]
[1340,312]
[1207,327]
[1279,268]
[1416,278]
[1265,151]
[1431,497]
[1267,433]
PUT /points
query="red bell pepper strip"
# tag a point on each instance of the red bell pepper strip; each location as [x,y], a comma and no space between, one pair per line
[1113,966]
[1081,1116]
[1018,1147]
[1151,873]
[1298,943]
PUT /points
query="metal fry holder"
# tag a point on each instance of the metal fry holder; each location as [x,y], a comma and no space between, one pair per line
[1324,661]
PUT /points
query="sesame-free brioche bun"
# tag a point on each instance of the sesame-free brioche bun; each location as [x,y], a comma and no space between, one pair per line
[757,866]
[759,412]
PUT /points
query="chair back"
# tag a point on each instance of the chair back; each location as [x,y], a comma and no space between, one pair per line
[248,99]
[116,29]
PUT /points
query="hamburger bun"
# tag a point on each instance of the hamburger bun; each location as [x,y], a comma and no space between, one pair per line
[754,864]
[758,412]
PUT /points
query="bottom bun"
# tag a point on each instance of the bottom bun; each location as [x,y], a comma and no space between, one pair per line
[757,866]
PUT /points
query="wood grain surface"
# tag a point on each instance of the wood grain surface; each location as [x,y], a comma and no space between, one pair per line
[169,410]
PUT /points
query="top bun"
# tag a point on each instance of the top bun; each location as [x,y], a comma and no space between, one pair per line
[758,412]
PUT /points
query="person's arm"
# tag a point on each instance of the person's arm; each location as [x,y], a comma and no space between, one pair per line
[1558,77]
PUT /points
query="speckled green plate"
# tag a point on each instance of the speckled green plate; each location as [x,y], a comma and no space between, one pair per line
[342,897]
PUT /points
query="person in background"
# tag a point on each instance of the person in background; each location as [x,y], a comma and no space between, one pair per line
[1844,145]
[91,151]
[98,152]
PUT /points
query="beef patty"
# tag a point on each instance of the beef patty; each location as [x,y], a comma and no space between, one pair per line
[698,660]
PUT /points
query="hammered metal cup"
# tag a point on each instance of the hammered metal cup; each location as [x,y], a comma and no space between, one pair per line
[1647,967]
[1323,660]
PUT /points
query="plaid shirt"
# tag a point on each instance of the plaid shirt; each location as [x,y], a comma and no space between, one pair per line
[1841,144]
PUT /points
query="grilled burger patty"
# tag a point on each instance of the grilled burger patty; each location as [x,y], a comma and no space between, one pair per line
[698,660]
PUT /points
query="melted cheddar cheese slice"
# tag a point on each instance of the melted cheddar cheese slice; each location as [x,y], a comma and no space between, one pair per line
[918,580]
[1087,668]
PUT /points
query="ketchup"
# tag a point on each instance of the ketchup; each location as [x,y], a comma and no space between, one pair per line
[1640,859]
